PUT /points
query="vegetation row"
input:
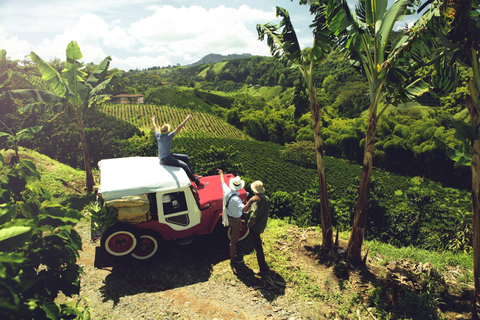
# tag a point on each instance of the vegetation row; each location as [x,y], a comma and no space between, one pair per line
[202,123]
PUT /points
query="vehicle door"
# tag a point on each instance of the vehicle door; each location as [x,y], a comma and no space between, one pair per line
[177,208]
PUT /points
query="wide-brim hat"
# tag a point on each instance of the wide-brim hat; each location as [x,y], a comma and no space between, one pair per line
[165,128]
[236,183]
[257,187]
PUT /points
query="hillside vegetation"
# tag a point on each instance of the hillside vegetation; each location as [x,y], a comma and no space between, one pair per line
[400,283]
[203,124]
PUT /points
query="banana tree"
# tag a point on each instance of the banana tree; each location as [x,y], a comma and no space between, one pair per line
[458,21]
[72,92]
[364,35]
[14,139]
[473,106]
[465,133]
[284,45]
[5,74]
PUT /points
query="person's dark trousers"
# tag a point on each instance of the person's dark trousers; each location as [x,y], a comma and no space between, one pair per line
[257,245]
[182,161]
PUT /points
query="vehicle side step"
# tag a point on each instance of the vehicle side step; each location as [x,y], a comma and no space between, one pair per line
[184,241]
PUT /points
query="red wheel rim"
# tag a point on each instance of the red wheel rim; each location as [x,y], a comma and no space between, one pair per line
[147,246]
[120,243]
[243,229]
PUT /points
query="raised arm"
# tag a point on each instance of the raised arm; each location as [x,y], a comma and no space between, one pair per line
[220,172]
[154,124]
[180,126]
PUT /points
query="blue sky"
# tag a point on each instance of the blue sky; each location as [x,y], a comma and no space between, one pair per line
[143,33]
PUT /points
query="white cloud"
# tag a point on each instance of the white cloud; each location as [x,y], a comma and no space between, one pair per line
[155,48]
[16,49]
[159,34]
[118,38]
[197,31]
[139,62]
[88,32]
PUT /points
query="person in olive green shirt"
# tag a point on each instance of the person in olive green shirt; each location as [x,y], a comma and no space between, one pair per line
[258,209]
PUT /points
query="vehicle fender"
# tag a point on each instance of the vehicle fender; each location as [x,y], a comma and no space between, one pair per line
[217,215]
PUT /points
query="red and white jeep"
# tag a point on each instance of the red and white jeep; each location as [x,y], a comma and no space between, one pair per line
[156,203]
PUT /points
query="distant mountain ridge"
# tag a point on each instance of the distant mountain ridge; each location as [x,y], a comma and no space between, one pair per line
[215,58]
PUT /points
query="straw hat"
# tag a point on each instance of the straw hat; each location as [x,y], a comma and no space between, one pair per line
[236,183]
[164,128]
[257,187]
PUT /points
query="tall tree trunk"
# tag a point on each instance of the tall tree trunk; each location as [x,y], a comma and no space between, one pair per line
[475,120]
[476,221]
[354,250]
[86,156]
[327,232]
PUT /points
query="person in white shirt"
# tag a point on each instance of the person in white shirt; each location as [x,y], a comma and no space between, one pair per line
[234,208]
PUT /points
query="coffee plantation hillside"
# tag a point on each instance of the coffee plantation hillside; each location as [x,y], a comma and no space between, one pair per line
[405,210]
[202,123]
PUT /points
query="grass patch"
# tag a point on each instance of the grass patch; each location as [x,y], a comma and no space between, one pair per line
[309,280]
[318,281]
[439,260]
[218,67]
[65,184]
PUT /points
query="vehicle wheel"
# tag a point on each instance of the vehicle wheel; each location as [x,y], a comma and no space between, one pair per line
[120,239]
[244,231]
[148,244]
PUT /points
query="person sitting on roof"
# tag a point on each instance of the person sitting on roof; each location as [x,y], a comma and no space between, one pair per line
[164,138]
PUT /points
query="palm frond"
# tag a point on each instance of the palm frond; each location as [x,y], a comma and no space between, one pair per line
[283,44]
[42,107]
[99,72]
[50,75]
[45,97]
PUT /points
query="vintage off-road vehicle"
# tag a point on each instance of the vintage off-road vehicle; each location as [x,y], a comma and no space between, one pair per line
[156,203]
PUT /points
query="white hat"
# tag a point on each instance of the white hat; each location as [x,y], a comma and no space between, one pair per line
[257,187]
[236,183]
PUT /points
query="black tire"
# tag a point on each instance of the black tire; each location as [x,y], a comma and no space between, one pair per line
[120,239]
[148,244]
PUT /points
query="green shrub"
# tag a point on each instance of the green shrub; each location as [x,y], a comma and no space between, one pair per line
[429,133]
[304,134]
[402,131]
[282,204]
[39,248]
[301,153]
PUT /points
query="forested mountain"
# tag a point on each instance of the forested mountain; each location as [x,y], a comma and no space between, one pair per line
[215,58]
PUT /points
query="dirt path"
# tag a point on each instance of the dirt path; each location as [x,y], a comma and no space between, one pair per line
[189,282]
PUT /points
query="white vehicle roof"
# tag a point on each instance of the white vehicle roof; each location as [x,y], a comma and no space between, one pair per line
[134,175]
